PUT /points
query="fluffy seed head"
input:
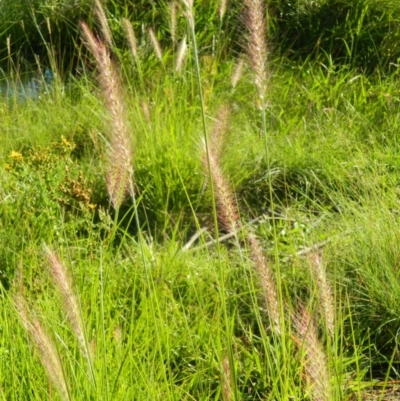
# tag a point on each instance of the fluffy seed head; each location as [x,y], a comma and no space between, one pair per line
[119,169]
[223,5]
[227,386]
[270,295]
[181,54]
[63,283]
[237,72]
[156,44]
[316,375]
[325,292]
[44,346]
[172,19]
[256,45]
[105,27]
[227,209]
[130,35]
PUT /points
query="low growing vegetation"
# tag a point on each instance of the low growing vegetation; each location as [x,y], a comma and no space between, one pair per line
[192,211]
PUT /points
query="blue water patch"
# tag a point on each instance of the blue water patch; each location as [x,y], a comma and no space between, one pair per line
[30,88]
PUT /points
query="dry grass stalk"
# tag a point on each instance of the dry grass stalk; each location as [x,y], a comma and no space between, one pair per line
[227,209]
[156,44]
[227,385]
[257,46]
[271,299]
[172,19]
[120,172]
[130,35]
[316,375]
[325,291]
[181,55]
[237,73]
[102,18]
[71,304]
[45,347]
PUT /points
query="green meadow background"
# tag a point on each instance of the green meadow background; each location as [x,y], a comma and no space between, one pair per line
[170,308]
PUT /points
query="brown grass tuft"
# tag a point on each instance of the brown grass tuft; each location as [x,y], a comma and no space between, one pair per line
[44,346]
[119,171]
[316,374]
[256,45]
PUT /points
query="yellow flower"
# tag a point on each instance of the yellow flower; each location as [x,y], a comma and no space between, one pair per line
[92,206]
[16,156]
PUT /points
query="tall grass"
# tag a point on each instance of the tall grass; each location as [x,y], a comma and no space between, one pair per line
[230,266]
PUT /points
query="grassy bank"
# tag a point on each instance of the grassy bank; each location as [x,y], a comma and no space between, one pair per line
[174,229]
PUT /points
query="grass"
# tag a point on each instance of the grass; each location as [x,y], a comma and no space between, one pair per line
[299,304]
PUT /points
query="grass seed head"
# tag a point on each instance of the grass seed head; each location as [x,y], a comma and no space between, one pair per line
[316,374]
[102,18]
[256,45]
[120,153]
[325,292]
[181,54]
[270,294]
[44,346]
[156,44]
[63,283]
[130,35]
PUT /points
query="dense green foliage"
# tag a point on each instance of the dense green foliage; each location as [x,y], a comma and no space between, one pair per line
[164,322]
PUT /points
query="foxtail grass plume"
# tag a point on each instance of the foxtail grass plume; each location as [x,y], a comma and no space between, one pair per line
[227,385]
[119,169]
[188,13]
[228,214]
[325,292]
[156,44]
[316,374]
[256,45]
[219,130]
[63,283]
[146,111]
[102,18]
[237,73]
[270,294]
[130,35]
[223,5]
[172,19]
[181,55]
[44,346]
